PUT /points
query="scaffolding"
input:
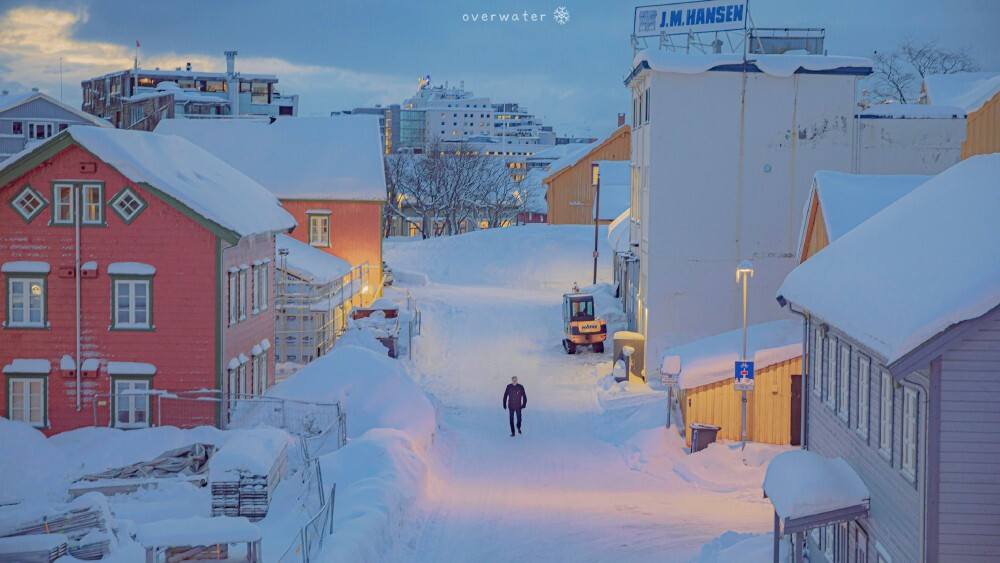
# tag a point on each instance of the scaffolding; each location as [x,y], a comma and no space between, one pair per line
[310,316]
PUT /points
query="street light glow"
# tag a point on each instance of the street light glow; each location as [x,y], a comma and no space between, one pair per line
[595,174]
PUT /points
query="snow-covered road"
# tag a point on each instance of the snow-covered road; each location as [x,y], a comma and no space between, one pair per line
[563,490]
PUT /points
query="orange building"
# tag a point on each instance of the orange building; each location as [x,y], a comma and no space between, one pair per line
[570,194]
[327,172]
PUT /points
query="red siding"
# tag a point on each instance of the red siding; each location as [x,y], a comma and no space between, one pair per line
[183,344]
[241,337]
[355,229]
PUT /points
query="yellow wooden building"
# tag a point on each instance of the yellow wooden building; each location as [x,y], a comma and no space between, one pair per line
[570,194]
[706,390]
[978,93]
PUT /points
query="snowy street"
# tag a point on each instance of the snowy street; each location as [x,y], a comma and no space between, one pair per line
[564,490]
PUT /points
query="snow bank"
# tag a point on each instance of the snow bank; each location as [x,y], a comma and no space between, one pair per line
[251,452]
[774,65]
[30,466]
[722,467]
[374,390]
[362,339]
[529,256]
[732,547]
[802,483]
[197,530]
[619,232]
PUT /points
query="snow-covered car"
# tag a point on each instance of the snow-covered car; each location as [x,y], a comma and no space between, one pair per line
[387,276]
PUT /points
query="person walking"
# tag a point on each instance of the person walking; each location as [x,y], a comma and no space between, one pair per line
[514,399]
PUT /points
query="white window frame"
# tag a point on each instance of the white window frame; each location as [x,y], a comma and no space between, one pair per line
[254,375]
[243,294]
[864,395]
[262,372]
[33,127]
[316,235]
[25,306]
[234,296]
[25,412]
[844,382]
[136,403]
[20,199]
[886,391]
[241,381]
[130,323]
[263,271]
[830,367]
[118,201]
[911,430]
[85,205]
[255,290]
[232,392]
[58,204]
[817,363]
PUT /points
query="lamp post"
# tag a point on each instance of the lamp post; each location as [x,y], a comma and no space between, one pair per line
[595,181]
[743,273]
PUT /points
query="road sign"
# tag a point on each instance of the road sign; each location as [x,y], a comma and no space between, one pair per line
[744,376]
[668,380]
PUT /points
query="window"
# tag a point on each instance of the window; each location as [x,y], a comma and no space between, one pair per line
[132,304]
[830,370]
[62,195]
[28,203]
[93,204]
[864,390]
[131,402]
[885,416]
[25,302]
[262,372]
[319,230]
[647,105]
[39,130]
[844,381]
[255,376]
[909,461]
[232,389]
[128,204]
[817,361]
[137,113]
[17,128]
[262,285]
[243,294]
[27,402]
[233,299]
[241,388]
[255,290]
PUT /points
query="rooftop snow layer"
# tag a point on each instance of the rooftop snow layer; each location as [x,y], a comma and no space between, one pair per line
[913,111]
[616,194]
[925,263]
[308,263]
[773,65]
[208,186]
[847,200]
[28,366]
[619,232]
[571,157]
[967,90]
[325,158]
[711,359]
[802,483]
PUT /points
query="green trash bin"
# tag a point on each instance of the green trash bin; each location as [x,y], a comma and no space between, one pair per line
[702,435]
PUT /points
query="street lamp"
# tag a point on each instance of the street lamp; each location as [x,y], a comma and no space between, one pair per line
[595,181]
[743,273]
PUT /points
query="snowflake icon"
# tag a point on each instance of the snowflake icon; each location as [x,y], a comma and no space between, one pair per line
[561,15]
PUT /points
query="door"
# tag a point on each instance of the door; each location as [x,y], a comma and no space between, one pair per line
[796,407]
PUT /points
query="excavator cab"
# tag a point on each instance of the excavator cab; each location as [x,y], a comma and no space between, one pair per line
[580,325]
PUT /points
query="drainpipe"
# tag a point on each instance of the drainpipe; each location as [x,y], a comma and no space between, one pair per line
[77,200]
[803,426]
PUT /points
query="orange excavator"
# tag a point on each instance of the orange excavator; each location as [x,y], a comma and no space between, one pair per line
[580,326]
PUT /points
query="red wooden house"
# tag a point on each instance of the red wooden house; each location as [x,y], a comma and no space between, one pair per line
[131,262]
[327,172]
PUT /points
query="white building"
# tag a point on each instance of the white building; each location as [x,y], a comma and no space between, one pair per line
[452,114]
[723,156]
[909,138]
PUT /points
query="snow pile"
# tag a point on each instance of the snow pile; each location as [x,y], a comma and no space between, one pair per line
[722,467]
[923,284]
[249,452]
[733,547]
[967,90]
[308,263]
[619,232]
[711,359]
[30,466]
[375,324]
[801,483]
[529,256]
[374,390]
[197,530]
[781,66]
[362,339]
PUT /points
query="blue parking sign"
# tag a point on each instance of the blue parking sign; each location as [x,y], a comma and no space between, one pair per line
[744,376]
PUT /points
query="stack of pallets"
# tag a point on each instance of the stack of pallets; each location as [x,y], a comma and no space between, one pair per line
[247,494]
[34,548]
[73,525]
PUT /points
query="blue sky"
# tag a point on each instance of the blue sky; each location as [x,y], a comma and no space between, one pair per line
[339,54]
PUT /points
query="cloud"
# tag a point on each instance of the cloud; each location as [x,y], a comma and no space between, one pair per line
[33,40]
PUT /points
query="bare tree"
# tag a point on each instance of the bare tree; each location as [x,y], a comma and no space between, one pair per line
[897,75]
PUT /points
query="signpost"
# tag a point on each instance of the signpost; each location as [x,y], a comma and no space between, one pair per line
[744,376]
[744,369]
[670,372]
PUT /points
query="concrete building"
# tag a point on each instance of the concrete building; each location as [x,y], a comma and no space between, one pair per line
[909,138]
[30,118]
[452,114]
[139,98]
[723,154]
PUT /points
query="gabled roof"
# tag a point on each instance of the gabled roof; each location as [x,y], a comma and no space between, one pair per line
[320,158]
[573,157]
[844,201]
[925,263]
[9,101]
[966,90]
[224,199]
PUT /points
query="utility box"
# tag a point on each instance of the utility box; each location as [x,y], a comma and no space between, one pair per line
[702,435]
[630,347]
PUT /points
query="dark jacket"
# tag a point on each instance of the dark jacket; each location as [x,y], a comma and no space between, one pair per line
[515,397]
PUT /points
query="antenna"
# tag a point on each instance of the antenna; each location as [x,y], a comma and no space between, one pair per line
[60,80]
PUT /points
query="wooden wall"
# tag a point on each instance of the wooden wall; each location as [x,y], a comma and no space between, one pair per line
[983,130]
[816,237]
[570,195]
[769,405]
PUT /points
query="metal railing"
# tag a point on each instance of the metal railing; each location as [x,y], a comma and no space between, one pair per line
[308,541]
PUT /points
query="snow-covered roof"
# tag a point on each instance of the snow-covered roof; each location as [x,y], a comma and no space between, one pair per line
[925,263]
[308,263]
[535,189]
[616,194]
[711,359]
[773,65]
[556,152]
[571,157]
[207,186]
[967,90]
[8,101]
[619,232]
[197,530]
[326,158]
[131,368]
[25,267]
[28,366]
[130,268]
[847,200]
[802,483]
[912,111]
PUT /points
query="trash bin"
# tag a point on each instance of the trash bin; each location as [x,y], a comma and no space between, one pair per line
[702,435]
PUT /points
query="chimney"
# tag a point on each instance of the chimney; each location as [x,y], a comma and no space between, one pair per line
[621,119]
[230,62]
[188,68]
